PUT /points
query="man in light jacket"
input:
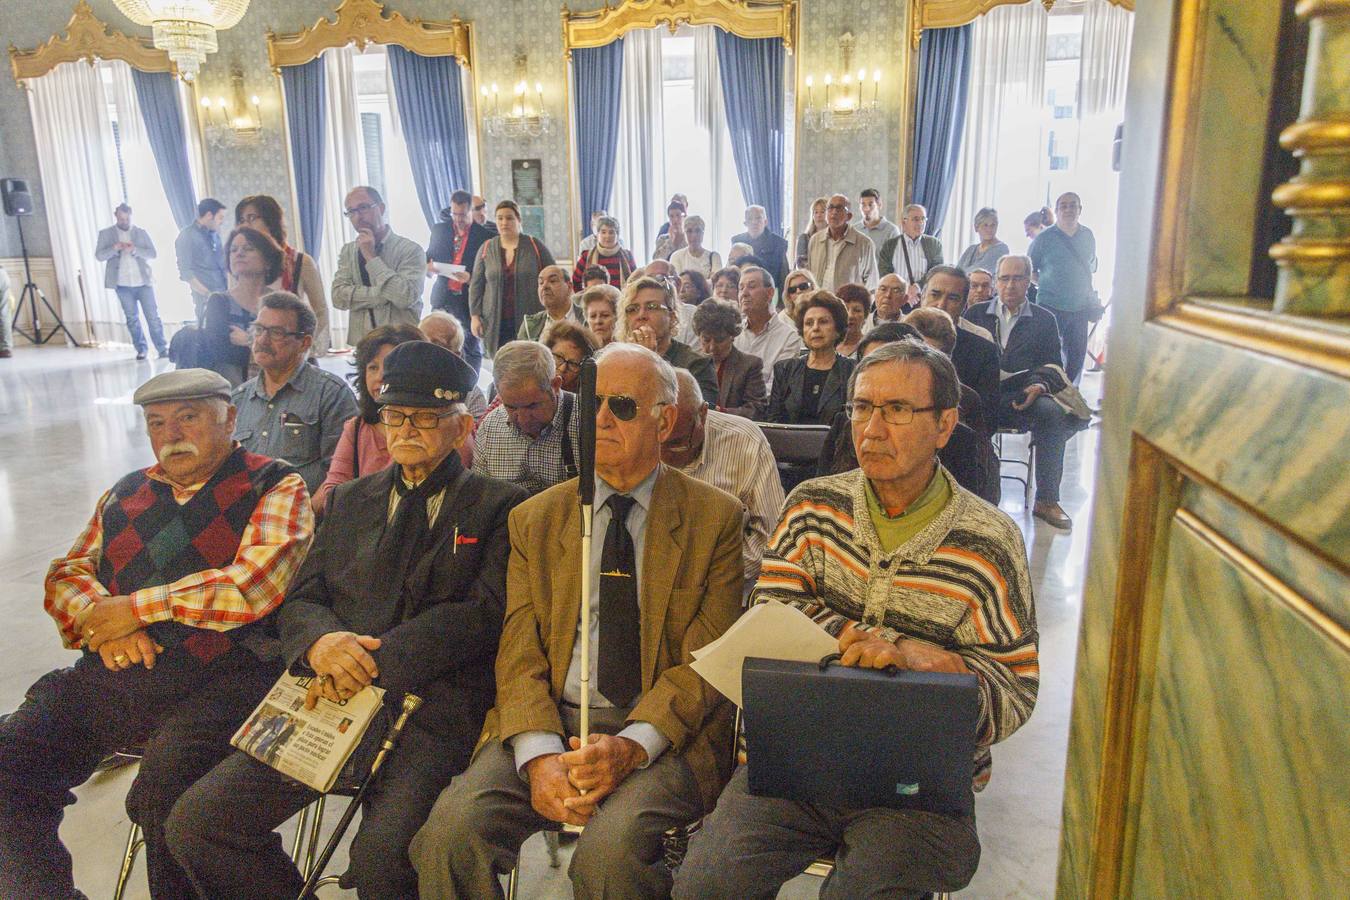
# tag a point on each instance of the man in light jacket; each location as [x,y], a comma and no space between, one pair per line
[840,254]
[127,251]
[380,275]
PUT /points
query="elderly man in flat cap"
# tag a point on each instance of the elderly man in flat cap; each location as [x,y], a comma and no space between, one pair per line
[404,589]
[164,592]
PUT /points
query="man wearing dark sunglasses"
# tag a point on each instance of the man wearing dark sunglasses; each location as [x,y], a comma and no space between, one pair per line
[291,411]
[667,571]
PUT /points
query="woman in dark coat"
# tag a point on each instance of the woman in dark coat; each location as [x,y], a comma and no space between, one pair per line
[809,389]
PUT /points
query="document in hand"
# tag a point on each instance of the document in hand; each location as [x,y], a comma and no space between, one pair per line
[770,630]
[448,269]
[309,745]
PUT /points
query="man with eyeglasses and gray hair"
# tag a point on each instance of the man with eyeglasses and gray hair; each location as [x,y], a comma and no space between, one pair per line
[906,568]
[380,275]
[530,439]
[404,589]
[666,574]
[291,410]
[648,317]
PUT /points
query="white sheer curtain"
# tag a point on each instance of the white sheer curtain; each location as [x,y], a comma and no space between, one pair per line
[1001,163]
[77,161]
[727,211]
[145,195]
[639,195]
[343,168]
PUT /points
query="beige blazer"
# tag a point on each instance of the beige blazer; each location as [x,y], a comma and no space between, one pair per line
[690,595]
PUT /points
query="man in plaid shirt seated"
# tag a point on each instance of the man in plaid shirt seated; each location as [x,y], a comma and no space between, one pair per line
[163,592]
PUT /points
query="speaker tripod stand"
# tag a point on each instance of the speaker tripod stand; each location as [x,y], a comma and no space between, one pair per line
[32,294]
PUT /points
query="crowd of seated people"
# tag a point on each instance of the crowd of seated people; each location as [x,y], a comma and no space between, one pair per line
[404,533]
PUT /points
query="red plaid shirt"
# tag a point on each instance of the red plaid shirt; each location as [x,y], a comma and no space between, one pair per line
[270,552]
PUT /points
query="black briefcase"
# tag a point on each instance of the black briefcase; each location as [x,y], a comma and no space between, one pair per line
[858,738]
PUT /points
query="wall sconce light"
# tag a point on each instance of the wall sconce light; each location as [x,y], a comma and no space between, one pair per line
[232,124]
[850,105]
[518,120]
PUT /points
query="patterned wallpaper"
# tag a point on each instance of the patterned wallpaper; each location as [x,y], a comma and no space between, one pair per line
[504,29]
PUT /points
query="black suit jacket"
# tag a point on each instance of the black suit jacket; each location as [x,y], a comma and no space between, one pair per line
[741,386]
[789,389]
[444,645]
[440,249]
[772,250]
[1034,340]
[976,361]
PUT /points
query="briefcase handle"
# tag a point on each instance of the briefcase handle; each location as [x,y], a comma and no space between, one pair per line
[892,670]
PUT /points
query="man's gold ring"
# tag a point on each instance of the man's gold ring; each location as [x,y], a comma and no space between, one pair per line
[120,658]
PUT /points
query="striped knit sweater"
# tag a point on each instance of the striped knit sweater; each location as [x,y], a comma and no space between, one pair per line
[961,583]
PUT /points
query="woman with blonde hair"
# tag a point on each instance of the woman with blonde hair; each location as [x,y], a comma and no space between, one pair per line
[798,284]
[817,222]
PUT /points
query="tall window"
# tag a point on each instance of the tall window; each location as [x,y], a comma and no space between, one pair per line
[384,152]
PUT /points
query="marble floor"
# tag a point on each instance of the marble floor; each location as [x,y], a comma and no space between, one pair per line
[68,430]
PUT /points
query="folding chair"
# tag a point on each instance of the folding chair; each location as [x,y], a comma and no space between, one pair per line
[1028,464]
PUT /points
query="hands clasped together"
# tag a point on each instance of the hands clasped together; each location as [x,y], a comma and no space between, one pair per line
[119,638]
[568,787]
[344,665]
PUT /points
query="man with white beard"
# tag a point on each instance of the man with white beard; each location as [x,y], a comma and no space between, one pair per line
[164,592]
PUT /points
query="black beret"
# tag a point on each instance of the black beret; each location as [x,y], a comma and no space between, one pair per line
[420,373]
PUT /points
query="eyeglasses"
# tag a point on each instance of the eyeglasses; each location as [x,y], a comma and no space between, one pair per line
[358,210]
[423,418]
[274,332]
[566,365]
[1008,279]
[250,218]
[798,288]
[650,306]
[837,207]
[894,413]
[623,408]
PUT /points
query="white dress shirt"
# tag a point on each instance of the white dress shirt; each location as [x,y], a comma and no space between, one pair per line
[778,341]
[128,270]
[911,250]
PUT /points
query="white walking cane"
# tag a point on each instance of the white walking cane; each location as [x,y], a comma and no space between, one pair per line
[586,494]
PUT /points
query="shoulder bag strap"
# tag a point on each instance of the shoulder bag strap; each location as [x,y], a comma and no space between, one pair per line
[1074,250]
[568,457]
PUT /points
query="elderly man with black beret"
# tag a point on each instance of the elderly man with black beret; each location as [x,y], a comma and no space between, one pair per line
[165,592]
[405,589]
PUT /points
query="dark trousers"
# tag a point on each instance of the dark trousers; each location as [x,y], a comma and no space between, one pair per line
[1073,337]
[1050,429]
[184,711]
[144,296]
[223,830]
[749,846]
[457,305]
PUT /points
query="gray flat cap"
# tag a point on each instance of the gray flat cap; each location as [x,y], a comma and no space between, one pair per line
[182,384]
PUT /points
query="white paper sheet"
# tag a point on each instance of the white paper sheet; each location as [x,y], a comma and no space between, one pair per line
[448,269]
[770,630]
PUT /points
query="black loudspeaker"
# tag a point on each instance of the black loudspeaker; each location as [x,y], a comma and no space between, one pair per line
[18,200]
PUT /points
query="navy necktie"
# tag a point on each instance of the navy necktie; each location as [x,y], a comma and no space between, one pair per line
[620,662]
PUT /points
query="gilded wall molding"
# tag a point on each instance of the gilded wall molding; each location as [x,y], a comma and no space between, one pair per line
[363,22]
[88,38]
[744,18]
[953,13]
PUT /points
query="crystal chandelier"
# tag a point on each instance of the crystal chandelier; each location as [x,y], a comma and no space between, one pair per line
[185,29]
[847,106]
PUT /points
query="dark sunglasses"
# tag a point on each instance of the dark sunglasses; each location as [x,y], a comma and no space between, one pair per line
[798,288]
[623,408]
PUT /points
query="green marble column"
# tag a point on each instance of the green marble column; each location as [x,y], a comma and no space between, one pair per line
[1314,260]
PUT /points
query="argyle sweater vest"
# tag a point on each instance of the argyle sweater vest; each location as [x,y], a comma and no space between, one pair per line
[150,539]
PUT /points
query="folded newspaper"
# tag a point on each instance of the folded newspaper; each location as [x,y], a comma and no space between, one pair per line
[309,745]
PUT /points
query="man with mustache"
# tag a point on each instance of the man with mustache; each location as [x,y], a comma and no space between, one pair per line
[164,592]
[405,589]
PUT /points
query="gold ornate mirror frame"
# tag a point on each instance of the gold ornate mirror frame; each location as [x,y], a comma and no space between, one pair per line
[88,38]
[363,22]
[952,13]
[744,18]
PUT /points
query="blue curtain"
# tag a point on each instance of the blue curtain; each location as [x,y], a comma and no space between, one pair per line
[752,91]
[431,107]
[944,83]
[596,75]
[306,118]
[157,93]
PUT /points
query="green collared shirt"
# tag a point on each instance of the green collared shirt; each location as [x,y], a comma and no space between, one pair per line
[893,531]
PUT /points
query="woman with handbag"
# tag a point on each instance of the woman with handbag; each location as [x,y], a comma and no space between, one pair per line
[1065,256]
[504,288]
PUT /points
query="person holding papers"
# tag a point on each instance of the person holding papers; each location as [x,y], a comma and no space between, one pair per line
[906,568]
[403,589]
[666,576]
